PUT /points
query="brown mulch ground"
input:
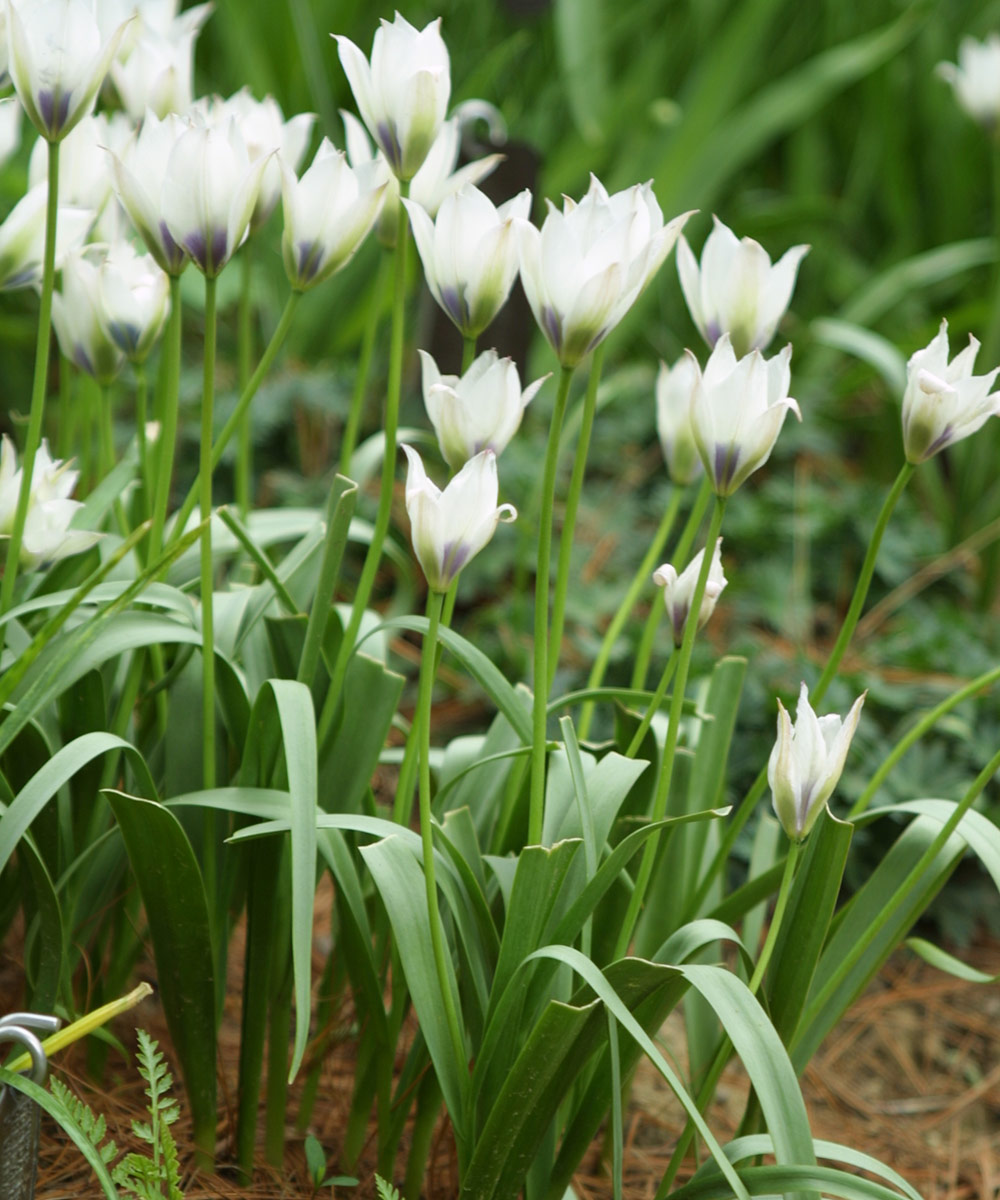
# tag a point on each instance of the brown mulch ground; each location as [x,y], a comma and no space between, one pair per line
[912,1076]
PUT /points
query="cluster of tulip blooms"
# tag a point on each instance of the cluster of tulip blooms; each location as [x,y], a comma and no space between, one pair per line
[196,178]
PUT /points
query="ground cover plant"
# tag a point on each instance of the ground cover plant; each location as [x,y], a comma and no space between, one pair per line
[648,583]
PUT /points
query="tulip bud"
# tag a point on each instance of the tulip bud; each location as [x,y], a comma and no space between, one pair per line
[22,238]
[807,761]
[402,94]
[678,590]
[47,535]
[134,299]
[674,391]
[944,402]
[449,527]
[976,79]
[58,61]
[588,264]
[736,290]
[470,254]
[328,213]
[482,410]
[737,412]
[83,339]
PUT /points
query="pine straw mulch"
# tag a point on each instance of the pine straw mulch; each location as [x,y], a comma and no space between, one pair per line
[911,1075]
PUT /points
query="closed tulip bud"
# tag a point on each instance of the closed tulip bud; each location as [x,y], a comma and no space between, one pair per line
[328,213]
[10,128]
[482,410]
[807,761]
[588,264]
[736,290]
[134,298]
[22,238]
[678,590]
[976,79]
[402,94]
[157,74]
[58,61]
[76,316]
[944,402]
[47,535]
[470,254]
[209,192]
[737,411]
[449,527]
[674,391]
[436,179]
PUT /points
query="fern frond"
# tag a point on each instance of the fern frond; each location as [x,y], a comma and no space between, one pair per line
[385,1190]
[92,1127]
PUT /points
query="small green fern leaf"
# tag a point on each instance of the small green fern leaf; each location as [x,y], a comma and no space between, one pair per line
[385,1190]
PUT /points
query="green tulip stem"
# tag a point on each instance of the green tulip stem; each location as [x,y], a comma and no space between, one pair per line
[749,801]
[166,442]
[468,352]
[141,419]
[644,654]
[541,664]
[722,1055]
[207,615]
[673,729]
[572,505]
[926,722]
[105,428]
[366,354]
[639,581]
[394,387]
[244,353]
[653,707]
[428,658]
[886,913]
[243,404]
[37,413]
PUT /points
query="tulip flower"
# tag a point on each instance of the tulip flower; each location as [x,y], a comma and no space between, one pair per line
[678,590]
[587,265]
[83,338]
[944,402]
[482,410]
[976,79]
[209,192]
[436,179]
[470,254]
[10,128]
[737,410]
[140,176]
[133,300]
[402,94]
[328,213]
[736,290]
[47,535]
[674,390]
[449,527]
[22,238]
[157,74]
[58,61]
[807,761]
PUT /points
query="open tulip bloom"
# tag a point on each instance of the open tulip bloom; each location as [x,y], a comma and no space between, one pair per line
[482,410]
[678,590]
[976,79]
[944,402]
[587,265]
[737,410]
[328,213]
[807,761]
[402,94]
[449,527]
[47,535]
[57,61]
[470,254]
[736,290]
[22,238]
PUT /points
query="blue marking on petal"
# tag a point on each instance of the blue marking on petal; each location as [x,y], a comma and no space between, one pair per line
[724,467]
[196,247]
[388,139]
[82,360]
[53,108]
[552,328]
[712,333]
[125,335]
[220,249]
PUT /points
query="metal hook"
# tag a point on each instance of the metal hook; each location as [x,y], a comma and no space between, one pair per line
[17,1027]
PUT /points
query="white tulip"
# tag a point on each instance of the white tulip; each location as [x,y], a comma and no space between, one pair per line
[674,391]
[807,761]
[22,238]
[76,316]
[328,213]
[678,590]
[47,535]
[449,527]
[588,264]
[944,402]
[470,254]
[482,410]
[402,94]
[736,290]
[976,79]
[737,410]
[133,300]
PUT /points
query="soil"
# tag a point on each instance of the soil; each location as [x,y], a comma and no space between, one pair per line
[911,1076]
